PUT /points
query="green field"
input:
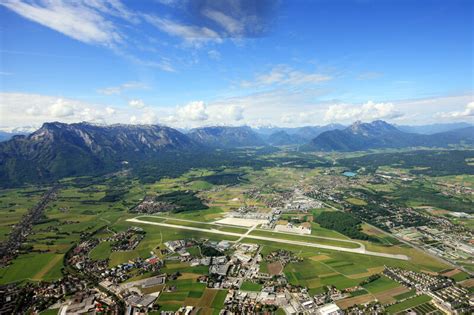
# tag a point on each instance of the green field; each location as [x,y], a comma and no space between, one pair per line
[14,203]
[219,299]
[407,304]
[405,295]
[381,284]
[307,239]
[250,286]
[460,276]
[101,251]
[35,267]
[184,289]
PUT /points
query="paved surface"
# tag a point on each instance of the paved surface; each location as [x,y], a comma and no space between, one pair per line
[271,239]
[253,227]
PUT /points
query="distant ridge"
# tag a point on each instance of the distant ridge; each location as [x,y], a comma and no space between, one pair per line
[226,137]
[434,128]
[379,134]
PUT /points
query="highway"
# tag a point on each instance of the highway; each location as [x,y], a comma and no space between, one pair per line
[360,250]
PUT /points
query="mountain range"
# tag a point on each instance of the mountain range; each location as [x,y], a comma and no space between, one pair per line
[58,150]
[226,137]
[379,134]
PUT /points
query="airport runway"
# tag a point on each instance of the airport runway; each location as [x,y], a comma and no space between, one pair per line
[360,250]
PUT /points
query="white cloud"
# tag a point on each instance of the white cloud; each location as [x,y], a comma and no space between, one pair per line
[61,109]
[235,112]
[13,107]
[118,27]
[285,75]
[119,89]
[462,114]
[194,111]
[281,106]
[136,103]
[110,110]
[367,112]
[82,20]
[33,111]
[148,116]
[108,23]
[193,35]
[234,27]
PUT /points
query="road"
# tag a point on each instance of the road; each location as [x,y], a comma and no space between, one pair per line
[271,239]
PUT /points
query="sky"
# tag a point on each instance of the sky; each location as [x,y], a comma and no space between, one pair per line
[191,63]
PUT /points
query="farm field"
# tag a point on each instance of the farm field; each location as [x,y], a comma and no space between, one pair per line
[34,267]
[83,208]
[408,304]
[14,203]
[100,209]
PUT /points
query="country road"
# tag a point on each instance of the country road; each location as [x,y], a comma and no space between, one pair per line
[276,240]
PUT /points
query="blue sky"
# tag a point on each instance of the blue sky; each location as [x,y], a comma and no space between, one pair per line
[202,62]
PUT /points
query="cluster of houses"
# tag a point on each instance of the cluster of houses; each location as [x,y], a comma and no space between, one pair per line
[150,206]
[36,296]
[291,300]
[127,240]
[445,292]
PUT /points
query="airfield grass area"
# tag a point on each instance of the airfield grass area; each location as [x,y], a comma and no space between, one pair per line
[303,238]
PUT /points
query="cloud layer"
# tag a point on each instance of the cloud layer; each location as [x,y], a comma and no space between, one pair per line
[367,111]
[468,112]
[277,107]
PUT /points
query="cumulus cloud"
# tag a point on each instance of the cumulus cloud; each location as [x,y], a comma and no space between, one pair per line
[148,116]
[13,107]
[136,103]
[466,113]
[61,109]
[235,112]
[194,111]
[110,110]
[281,106]
[33,111]
[367,111]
